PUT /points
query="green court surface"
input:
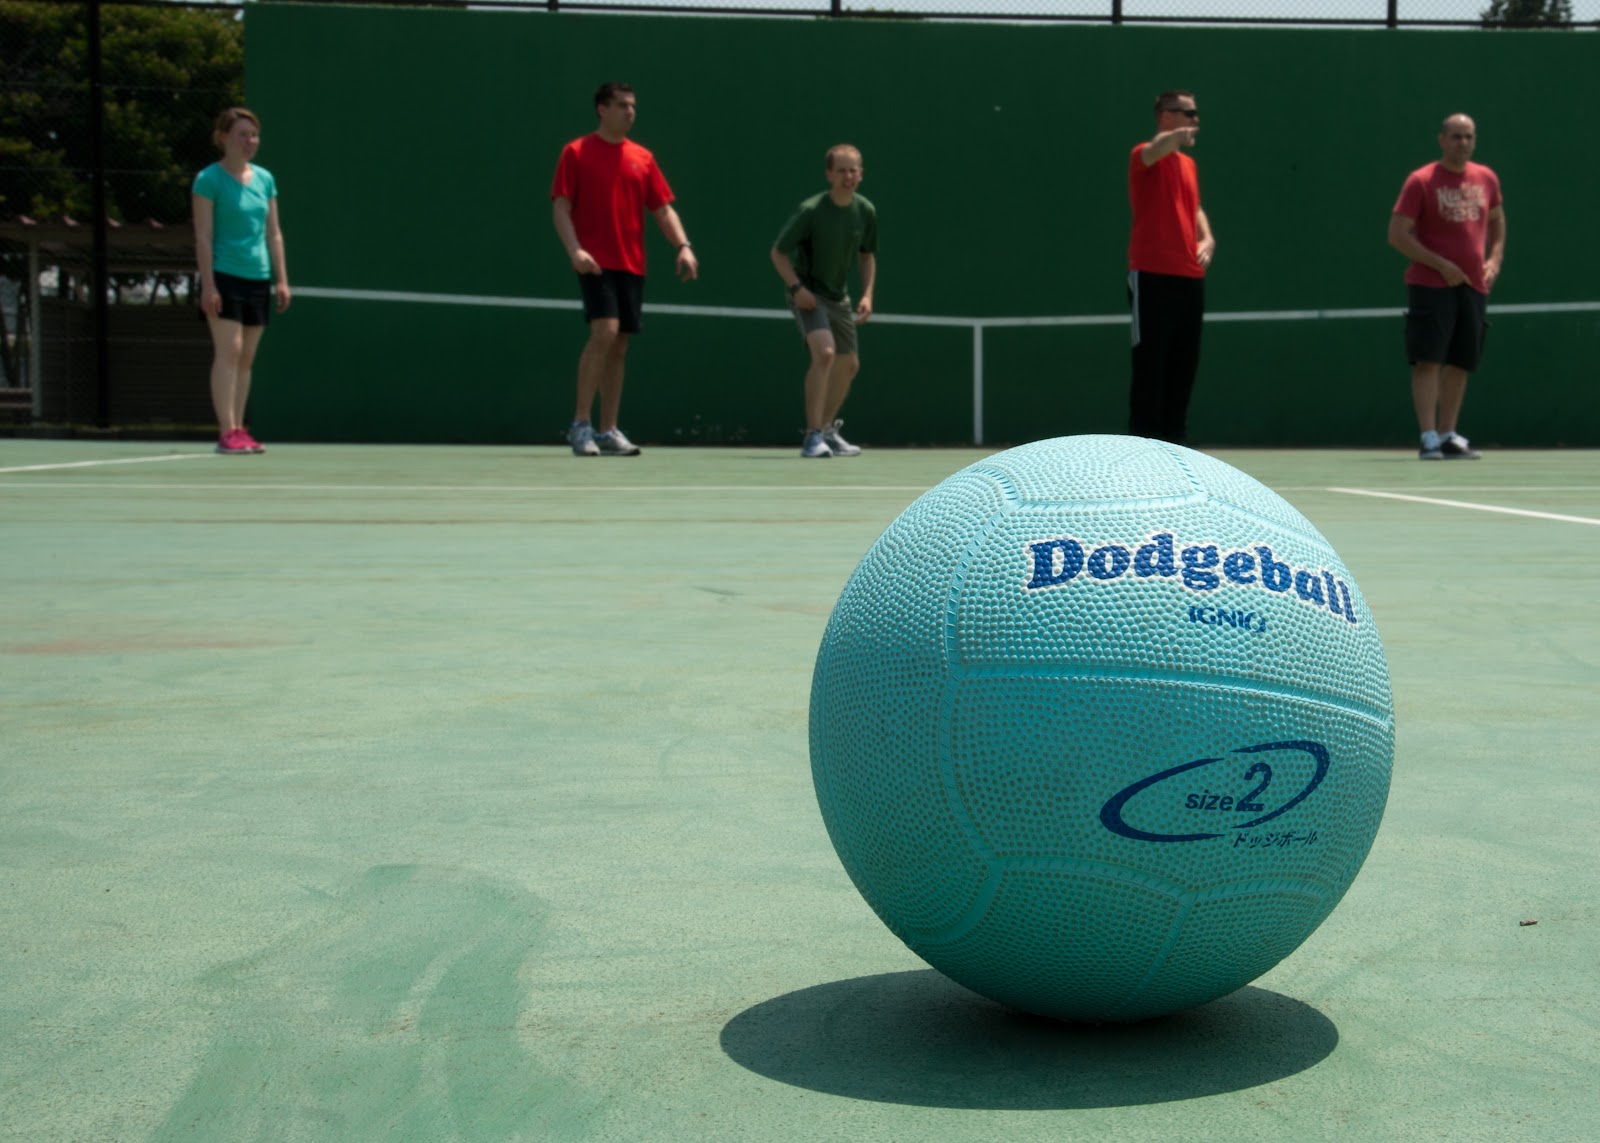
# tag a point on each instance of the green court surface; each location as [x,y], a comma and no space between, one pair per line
[382,793]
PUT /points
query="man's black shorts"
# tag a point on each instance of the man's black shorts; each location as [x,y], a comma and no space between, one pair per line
[614,294]
[1446,325]
[247,301]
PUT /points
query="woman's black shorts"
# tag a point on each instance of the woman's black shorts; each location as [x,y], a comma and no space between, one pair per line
[244,300]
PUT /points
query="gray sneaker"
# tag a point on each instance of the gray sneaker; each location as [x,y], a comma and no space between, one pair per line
[615,444]
[836,443]
[1455,447]
[815,447]
[581,438]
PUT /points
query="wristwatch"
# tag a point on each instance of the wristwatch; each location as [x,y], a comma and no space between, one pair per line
[795,288]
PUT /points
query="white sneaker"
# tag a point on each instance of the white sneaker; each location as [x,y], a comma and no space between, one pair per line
[815,447]
[615,444]
[837,443]
[581,438]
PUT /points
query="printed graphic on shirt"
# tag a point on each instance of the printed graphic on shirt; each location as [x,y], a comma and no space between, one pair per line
[1465,203]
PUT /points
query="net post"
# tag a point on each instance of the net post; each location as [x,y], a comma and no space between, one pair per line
[977,382]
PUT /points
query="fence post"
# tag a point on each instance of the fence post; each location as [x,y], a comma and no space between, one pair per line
[1116,11]
[1392,17]
[35,333]
[99,277]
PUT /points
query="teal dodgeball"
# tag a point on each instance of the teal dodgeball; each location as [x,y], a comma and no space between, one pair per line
[1101,728]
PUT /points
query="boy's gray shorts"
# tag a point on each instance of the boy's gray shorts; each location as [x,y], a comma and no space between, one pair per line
[836,316]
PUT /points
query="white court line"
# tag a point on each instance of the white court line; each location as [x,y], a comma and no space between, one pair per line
[1469,504]
[112,486]
[1457,488]
[99,463]
[108,486]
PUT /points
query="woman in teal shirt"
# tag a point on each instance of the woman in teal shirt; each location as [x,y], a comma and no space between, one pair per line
[239,247]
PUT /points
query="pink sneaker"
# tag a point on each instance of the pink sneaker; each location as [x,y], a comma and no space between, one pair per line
[250,442]
[233,442]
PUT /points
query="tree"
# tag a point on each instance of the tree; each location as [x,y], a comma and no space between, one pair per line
[1528,14]
[168,70]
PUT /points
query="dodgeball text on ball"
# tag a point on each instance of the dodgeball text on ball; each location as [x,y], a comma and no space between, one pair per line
[1059,561]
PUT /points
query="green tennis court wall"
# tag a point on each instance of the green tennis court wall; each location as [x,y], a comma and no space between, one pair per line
[414,150]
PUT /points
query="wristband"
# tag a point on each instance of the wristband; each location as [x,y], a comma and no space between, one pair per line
[795,288]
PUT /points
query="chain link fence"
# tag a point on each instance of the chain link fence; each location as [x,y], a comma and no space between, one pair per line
[1574,14]
[106,109]
[105,116]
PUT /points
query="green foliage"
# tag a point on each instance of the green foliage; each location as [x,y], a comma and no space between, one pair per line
[167,70]
[1528,14]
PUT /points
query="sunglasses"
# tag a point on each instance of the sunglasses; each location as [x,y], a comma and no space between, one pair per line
[1186,112]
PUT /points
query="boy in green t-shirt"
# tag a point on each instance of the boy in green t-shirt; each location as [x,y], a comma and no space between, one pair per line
[812,255]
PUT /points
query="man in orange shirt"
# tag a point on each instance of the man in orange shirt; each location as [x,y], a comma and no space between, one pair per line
[1168,252]
[604,186]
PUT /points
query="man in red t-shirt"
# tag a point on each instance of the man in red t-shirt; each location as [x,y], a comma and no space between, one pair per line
[604,186]
[1449,220]
[1168,252]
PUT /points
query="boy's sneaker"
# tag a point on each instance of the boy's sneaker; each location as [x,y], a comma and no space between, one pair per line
[1455,447]
[815,447]
[233,443]
[580,435]
[250,442]
[615,444]
[1430,447]
[836,443]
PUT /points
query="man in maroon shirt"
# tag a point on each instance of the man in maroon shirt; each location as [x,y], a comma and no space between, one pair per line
[604,186]
[1168,252]
[1450,221]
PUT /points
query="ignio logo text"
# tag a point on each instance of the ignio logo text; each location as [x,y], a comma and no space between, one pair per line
[1198,567]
